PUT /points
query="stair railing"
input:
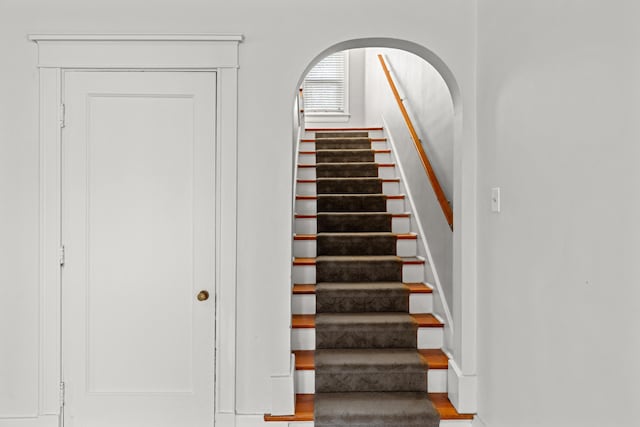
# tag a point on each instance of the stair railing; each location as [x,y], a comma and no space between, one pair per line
[433,179]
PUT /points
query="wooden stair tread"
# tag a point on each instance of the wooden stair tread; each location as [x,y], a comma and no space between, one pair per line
[432,358]
[405,260]
[315,196]
[308,321]
[370,139]
[414,288]
[304,409]
[314,181]
[403,236]
[435,358]
[342,129]
[380,150]
[393,215]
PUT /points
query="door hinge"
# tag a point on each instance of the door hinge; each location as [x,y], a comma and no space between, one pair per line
[61,255]
[61,115]
[61,394]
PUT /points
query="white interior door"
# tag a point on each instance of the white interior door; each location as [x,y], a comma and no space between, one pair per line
[138,229]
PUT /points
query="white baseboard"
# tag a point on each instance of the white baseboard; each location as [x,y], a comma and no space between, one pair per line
[463,389]
[41,421]
[283,393]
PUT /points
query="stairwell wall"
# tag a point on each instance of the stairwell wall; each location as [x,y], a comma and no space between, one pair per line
[280,41]
[428,100]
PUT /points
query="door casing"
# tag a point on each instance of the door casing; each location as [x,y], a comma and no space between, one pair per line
[197,52]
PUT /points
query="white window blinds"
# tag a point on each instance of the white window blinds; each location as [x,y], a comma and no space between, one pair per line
[325,85]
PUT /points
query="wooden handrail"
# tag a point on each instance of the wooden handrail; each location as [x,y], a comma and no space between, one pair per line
[437,188]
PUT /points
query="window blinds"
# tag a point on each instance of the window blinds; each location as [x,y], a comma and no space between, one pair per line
[324,86]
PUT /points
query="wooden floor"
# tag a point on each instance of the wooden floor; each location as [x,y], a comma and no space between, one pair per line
[304,409]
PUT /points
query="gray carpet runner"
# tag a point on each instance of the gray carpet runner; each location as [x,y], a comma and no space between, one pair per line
[367,369]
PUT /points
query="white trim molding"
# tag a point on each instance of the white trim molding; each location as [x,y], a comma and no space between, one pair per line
[463,389]
[131,51]
[180,52]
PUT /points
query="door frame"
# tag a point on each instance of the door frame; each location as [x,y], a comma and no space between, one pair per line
[58,53]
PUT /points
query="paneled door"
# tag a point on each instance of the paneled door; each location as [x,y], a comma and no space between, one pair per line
[138,229]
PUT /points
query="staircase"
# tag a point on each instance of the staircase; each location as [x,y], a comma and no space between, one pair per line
[368,350]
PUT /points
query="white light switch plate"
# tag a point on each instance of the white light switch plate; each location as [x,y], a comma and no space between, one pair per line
[495,199]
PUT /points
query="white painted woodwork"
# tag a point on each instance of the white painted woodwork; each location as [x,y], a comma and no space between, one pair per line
[305,381]
[310,188]
[306,274]
[307,248]
[138,224]
[306,303]
[305,225]
[305,338]
[303,304]
[310,206]
[385,171]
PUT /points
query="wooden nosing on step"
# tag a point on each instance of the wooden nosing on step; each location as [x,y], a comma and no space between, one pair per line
[304,289]
[306,216]
[305,405]
[308,321]
[412,261]
[299,197]
[391,180]
[409,236]
[446,410]
[308,152]
[305,360]
[304,410]
[370,139]
[304,261]
[303,321]
[419,288]
[434,358]
[304,237]
[427,320]
[394,196]
[386,165]
[310,289]
[307,181]
[306,166]
[400,215]
[340,129]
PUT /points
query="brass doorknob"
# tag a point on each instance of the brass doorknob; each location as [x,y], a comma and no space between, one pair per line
[203,295]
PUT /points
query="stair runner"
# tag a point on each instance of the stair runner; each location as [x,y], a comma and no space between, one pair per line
[368,371]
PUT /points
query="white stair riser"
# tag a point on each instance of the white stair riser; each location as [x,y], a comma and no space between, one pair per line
[305,381]
[307,248]
[306,303]
[443,423]
[375,145]
[309,158]
[306,274]
[309,188]
[385,172]
[372,134]
[399,225]
[310,206]
[305,338]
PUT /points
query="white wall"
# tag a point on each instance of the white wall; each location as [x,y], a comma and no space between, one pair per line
[428,101]
[559,301]
[280,42]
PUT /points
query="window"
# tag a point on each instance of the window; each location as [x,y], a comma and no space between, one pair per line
[325,87]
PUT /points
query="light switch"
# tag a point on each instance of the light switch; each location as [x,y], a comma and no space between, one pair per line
[495,199]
